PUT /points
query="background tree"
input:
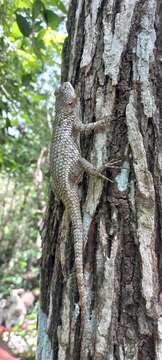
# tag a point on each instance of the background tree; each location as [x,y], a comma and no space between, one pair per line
[112,56]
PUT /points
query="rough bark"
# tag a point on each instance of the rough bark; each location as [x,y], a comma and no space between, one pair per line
[113,57]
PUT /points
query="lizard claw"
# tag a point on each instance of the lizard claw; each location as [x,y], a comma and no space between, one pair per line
[110,164]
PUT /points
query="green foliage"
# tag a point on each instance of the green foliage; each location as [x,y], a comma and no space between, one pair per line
[31,38]
[36,9]
[20,215]
[30,45]
[51,18]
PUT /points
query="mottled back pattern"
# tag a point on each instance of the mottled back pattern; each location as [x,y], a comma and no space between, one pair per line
[64,157]
[65,168]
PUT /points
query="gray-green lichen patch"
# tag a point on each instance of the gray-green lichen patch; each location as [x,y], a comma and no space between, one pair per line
[145,202]
[159,340]
[145,57]
[91,33]
[115,42]
[44,348]
[64,328]
[89,326]
[106,298]
[122,177]
[92,200]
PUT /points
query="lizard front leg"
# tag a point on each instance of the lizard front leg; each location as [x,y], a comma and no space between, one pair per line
[86,128]
[92,170]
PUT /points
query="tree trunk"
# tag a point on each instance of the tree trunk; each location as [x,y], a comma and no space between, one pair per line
[113,57]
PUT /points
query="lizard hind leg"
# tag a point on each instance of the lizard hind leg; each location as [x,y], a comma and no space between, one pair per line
[92,170]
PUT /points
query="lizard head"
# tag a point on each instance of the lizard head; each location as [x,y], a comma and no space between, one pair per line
[65,96]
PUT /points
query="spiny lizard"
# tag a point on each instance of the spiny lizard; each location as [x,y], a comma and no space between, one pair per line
[67,167]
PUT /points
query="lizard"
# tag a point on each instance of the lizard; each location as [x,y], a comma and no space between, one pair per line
[66,168]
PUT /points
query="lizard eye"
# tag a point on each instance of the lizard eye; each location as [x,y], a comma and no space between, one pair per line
[72,100]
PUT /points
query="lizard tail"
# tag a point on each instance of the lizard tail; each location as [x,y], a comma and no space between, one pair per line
[73,205]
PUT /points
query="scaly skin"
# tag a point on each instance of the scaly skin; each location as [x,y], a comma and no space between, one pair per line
[66,168]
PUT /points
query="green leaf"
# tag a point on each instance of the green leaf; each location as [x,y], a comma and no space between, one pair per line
[37,45]
[41,34]
[60,5]
[22,3]
[15,31]
[24,24]
[14,122]
[52,19]
[36,8]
